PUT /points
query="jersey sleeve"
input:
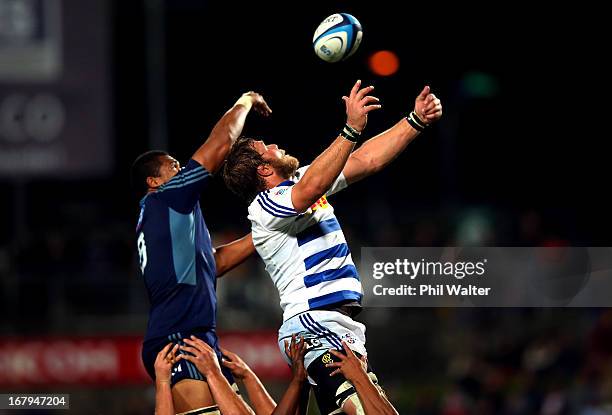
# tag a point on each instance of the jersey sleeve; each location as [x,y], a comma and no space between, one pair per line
[183,191]
[338,184]
[273,208]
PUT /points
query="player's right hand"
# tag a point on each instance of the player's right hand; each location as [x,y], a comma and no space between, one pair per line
[202,356]
[358,105]
[258,102]
[427,106]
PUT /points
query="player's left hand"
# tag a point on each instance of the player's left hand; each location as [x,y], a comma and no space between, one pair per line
[295,352]
[348,365]
[259,103]
[202,356]
[235,364]
[428,107]
[164,361]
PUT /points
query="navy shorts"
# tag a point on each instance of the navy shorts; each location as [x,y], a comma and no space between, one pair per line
[183,369]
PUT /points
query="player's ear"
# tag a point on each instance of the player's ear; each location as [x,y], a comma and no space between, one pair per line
[154,182]
[265,170]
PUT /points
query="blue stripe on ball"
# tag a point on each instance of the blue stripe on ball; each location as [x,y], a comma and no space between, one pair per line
[351,19]
[343,28]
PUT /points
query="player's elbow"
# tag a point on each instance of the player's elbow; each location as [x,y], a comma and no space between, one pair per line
[374,165]
[370,164]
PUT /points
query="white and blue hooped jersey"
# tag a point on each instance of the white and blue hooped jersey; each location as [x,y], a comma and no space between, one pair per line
[305,254]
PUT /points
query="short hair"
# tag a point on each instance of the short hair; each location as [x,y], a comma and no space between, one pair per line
[146,165]
[240,170]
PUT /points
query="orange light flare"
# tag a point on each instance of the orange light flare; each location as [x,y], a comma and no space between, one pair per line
[384,63]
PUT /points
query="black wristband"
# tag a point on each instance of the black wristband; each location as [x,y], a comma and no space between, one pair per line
[415,122]
[352,130]
[350,133]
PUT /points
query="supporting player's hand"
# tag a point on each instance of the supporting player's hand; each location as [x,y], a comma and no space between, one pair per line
[164,361]
[295,352]
[427,106]
[201,355]
[258,103]
[358,105]
[348,365]
[235,364]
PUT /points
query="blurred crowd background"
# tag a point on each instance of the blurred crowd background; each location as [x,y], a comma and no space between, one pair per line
[517,160]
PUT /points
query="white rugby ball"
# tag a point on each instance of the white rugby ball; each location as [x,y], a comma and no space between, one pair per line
[337,37]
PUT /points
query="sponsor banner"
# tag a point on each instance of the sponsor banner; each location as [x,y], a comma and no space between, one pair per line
[487,277]
[115,360]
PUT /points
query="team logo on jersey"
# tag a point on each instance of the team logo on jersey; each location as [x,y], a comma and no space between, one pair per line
[320,204]
[281,191]
[327,359]
[349,338]
[312,342]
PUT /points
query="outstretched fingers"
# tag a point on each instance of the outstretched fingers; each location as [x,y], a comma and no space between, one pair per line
[424,92]
[355,89]
[363,91]
[228,353]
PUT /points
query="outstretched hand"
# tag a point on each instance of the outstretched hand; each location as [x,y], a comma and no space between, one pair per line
[201,355]
[349,365]
[295,352]
[235,364]
[358,105]
[164,361]
[258,102]
[427,107]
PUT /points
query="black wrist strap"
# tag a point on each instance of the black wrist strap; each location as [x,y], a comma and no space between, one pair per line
[416,122]
[350,133]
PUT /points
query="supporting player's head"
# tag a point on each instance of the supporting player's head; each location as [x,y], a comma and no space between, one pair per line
[152,169]
[252,166]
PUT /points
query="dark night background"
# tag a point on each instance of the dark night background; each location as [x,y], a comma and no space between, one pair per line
[520,158]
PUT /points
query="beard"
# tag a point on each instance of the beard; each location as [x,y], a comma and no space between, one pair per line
[286,166]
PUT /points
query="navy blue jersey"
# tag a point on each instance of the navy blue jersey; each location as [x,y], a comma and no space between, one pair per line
[176,255]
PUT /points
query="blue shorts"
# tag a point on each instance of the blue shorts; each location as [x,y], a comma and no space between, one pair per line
[183,369]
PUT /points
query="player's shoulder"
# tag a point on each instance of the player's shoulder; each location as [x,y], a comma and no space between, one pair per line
[275,201]
[153,203]
[149,199]
[189,174]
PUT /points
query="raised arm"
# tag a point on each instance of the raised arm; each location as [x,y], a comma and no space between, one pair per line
[205,359]
[373,401]
[262,402]
[328,165]
[212,153]
[290,401]
[379,151]
[230,255]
